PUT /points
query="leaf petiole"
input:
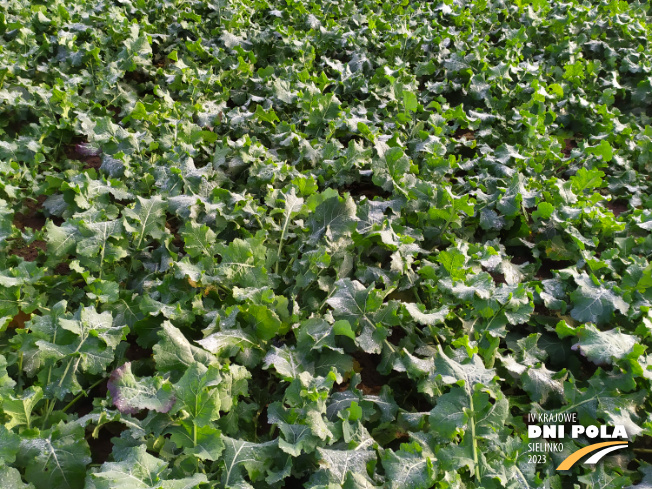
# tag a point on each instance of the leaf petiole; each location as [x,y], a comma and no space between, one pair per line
[83,393]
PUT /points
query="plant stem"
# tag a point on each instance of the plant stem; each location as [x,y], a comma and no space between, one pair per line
[327,297]
[82,393]
[280,243]
[65,372]
[486,328]
[20,372]
[475,441]
[49,407]
[448,222]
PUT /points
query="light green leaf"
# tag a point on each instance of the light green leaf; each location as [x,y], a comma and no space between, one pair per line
[410,101]
[586,180]
[604,150]
[227,340]
[61,240]
[297,439]
[266,115]
[453,261]
[541,385]
[20,408]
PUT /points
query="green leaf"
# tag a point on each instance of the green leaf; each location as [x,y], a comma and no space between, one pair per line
[264,320]
[5,222]
[543,384]
[595,303]
[449,415]
[448,211]
[426,318]
[471,372]
[139,112]
[586,180]
[288,362]
[390,169]
[10,477]
[199,240]
[61,240]
[204,442]
[266,115]
[243,262]
[292,206]
[297,439]
[544,211]
[174,353]
[6,382]
[56,458]
[340,466]
[9,444]
[343,328]
[604,150]
[84,344]
[131,395]
[410,101]
[20,408]
[409,467]
[190,482]
[196,394]
[242,457]
[601,479]
[334,218]
[228,340]
[557,89]
[363,308]
[603,347]
[146,219]
[136,469]
[453,261]
[317,334]
[92,323]
[353,302]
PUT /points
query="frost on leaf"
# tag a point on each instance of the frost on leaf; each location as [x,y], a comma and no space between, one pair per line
[602,347]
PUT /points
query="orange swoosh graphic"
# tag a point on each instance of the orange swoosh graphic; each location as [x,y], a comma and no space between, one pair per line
[574,457]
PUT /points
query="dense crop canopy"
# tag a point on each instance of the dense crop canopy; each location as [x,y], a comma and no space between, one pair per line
[323,244]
